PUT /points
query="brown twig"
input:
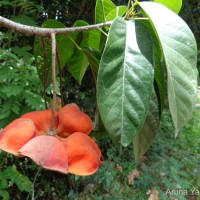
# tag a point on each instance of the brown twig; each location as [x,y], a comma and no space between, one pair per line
[45,70]
[53,42]
[46,32]
[60,75]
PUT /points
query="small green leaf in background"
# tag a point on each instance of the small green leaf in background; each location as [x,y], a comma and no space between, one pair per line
[180,57]
[125,80]
[102,8]
[24,19]
[115,12]
[13,175]
[4,194]
[78,63]
[106,10]
[65,50]
[174,5]
[12,90]
[93,58]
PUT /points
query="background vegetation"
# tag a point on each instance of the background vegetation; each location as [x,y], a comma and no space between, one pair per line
[169,164]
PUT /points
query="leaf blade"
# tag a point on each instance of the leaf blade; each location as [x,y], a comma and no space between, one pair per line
[146,136]
[123,85]
[180,55]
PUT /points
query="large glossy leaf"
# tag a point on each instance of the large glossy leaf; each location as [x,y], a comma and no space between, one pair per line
[145,138]
[174,5]
[125,80]
[65,50]
[180,56]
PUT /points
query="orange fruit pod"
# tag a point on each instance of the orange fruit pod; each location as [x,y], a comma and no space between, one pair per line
[16,134]
[72,119]
[42,120]
[48,152]
[83,154]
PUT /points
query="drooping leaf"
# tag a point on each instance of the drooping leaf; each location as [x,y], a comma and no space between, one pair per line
[94,39]
[159,64]
[146,136]
[65,49]
[180,56]
[78,63]
[174,5]
[125,80]
[93,58]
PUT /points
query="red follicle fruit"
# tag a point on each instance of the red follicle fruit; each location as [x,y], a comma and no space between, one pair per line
[83,154]
[72,119]
[16,134]
[42,120]
[48,152]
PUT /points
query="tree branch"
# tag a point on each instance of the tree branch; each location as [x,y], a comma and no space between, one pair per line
[46,32]
[45,71]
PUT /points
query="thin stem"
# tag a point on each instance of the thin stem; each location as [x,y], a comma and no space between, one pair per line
[46,32]
[53,40]
[45,70]
[32,186]
[60,75]
[131,10]
[103,32]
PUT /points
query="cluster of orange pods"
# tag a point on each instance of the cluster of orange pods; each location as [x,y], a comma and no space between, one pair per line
[68,150]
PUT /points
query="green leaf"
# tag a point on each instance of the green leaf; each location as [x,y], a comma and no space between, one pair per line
[174,5]
[159,65]
[94,39]
[4,194]
[78,65]
[145,138]
[4,54]
[180,56]
[115,12]
[125,80]
[93,57]
[3,184]
[12,90]
[12,174]
[65,50]
[23,19]
[102,8]
[35,101]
